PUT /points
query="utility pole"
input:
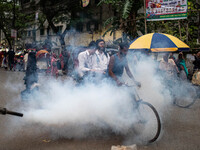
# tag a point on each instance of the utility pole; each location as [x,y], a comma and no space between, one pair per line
[197,1]
[13,24]
[179,27]
[34,28]
[145,18]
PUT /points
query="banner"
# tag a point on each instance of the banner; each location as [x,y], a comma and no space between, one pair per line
[166,9]
[85,2]
[13,33]
[36,16]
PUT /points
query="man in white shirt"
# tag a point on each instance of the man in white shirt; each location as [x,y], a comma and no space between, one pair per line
[25,61]
[86,60]
[102,58]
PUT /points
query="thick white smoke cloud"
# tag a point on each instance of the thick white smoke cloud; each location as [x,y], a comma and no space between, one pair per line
[153,89]
[69,106]
[73,111]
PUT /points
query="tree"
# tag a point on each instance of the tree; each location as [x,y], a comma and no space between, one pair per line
[64,11]
[12,18]
[125,17]
[185,29]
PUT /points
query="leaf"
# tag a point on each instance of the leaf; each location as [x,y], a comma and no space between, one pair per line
[108,21]
[126,9]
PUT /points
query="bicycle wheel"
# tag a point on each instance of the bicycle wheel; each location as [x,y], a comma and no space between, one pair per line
[186,97]
[148,125]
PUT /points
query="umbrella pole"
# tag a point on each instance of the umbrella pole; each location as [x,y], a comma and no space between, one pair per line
[145,18]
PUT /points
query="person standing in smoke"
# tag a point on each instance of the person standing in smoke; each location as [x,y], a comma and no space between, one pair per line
[171,56]
[54,68]
[31,76]
[11,55]
[101,57]
[118,63]
[5,60]
[64,58]
[25,60]
[168,68]
[196,62]
[86,61]
[182,67]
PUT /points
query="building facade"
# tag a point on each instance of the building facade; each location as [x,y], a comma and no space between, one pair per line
[80,35]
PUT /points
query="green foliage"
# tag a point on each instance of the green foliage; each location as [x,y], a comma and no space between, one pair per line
[124,21]
[109,21]
[8,21]
[172,26]
[126,9]
[125,17]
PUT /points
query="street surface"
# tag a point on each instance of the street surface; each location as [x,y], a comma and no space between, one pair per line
[180,127]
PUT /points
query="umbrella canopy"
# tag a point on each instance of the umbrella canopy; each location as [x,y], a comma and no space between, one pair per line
[42,53]
[158,42]
[18,53]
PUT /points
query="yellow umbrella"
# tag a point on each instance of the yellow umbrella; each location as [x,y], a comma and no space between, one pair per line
[158,42]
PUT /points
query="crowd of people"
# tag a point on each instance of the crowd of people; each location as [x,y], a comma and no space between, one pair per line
[8,60]
[95,64]
[176,67]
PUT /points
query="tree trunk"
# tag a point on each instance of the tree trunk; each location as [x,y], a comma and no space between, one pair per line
[132,26]
[187,31]
[62,37]
[8,39]
[179,27]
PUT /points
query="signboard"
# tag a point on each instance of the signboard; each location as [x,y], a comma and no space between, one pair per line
[13,33]
[166,9]
[85,2]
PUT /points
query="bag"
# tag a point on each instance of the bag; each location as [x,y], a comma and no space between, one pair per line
[196,78]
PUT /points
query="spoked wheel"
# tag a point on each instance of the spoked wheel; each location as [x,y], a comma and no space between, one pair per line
[186,98]
[148,125]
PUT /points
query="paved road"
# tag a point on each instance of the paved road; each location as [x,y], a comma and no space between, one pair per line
[180,131]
